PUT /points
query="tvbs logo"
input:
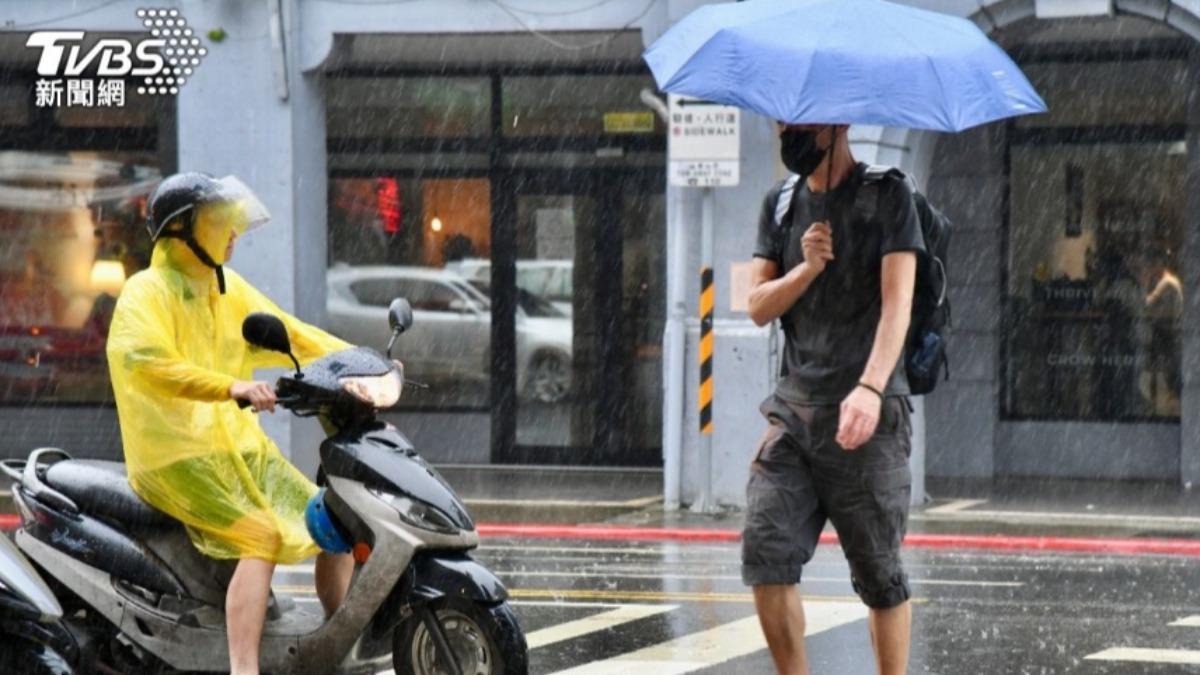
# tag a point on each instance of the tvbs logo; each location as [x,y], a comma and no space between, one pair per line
[95,75]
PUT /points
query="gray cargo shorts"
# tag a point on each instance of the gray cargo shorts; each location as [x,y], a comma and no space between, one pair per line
[801,477]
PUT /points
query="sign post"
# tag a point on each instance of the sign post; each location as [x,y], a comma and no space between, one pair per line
[703,151]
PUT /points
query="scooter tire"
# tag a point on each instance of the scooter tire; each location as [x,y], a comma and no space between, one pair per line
[498,626]
[20,655]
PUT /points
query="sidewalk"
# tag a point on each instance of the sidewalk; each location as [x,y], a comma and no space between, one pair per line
[1010,506]
[1012,515]
[1059,515]
[1013,511]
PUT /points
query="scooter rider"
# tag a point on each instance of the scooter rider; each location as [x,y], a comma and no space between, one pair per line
[178,365]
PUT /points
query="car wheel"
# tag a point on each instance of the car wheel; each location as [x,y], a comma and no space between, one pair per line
[549,378]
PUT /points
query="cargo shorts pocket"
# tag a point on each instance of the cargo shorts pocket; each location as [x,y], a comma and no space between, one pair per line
[767,442]
[890,490]
[893,419]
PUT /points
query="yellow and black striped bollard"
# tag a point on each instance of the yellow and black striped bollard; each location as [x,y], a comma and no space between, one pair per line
[706,350]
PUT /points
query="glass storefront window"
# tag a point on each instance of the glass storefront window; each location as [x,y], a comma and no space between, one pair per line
[1095,214]
[14,106]
[577,105]
[72,226]
[425,240]
[423,170]
[556,357]
[1094,281]
[408,107]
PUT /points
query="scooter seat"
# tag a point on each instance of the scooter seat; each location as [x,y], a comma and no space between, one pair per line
[101,489]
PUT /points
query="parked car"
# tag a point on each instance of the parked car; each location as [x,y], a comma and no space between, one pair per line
[451,336]
[548,279]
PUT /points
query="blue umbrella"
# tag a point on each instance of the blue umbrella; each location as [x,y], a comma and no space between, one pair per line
[842,62]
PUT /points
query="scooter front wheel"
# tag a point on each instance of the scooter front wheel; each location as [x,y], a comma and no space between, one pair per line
[485,640]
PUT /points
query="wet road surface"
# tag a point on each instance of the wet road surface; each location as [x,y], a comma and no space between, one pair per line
[592,608]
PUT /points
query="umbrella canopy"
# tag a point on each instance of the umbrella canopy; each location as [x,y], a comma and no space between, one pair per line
[842,62]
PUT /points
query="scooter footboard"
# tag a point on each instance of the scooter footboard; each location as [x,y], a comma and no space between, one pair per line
[456,575]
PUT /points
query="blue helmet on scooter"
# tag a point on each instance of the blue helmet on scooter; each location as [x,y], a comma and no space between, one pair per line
[322,527]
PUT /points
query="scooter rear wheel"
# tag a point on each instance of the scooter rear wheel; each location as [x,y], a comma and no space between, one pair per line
[21,655]
[486,640]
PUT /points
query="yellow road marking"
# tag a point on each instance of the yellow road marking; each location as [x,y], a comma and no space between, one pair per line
[627,596]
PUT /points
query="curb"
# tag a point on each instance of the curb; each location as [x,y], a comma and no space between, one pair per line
[1118,546]
[1110,545]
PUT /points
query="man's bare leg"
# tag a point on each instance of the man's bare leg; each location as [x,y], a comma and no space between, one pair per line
[781,615]
[890,633]
[333,579]
[245,612]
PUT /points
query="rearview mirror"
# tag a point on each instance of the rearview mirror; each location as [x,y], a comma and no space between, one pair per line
[400,316]
[266,331]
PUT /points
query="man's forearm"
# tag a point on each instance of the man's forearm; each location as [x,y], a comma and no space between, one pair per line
[770,299]
[889,343]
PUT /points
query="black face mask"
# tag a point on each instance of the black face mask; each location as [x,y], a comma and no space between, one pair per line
[799,151]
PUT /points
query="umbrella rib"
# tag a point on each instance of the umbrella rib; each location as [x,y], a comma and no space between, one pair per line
[933,67]
[808,75]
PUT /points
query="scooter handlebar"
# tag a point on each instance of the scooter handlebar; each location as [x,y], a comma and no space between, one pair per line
[284,401]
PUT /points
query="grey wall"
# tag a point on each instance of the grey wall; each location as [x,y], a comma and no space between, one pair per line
[967,182]
[249,111]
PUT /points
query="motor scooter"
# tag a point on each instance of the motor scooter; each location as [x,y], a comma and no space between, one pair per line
[137,597]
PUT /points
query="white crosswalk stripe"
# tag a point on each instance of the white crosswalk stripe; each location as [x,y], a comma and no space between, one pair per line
[1150,655]
[712,647]
[594,623]
[1142,655]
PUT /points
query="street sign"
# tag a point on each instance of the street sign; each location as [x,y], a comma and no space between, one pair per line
[703,143]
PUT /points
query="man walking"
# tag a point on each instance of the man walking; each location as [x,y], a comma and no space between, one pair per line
[840,276]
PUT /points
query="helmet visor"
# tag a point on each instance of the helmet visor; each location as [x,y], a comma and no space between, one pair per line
[250,212]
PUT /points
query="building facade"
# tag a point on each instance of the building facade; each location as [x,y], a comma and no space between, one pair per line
[502,167]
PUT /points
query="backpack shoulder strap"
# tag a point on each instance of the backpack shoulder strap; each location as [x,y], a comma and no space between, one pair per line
[873,177]
[783,201]
[876,173]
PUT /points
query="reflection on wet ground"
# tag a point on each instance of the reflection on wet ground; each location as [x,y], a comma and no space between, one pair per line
[592,608]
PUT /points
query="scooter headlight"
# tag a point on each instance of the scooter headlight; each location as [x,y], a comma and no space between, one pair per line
[381,391]
[415,513]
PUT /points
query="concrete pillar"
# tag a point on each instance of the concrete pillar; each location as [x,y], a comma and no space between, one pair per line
[742,374]
[249,110]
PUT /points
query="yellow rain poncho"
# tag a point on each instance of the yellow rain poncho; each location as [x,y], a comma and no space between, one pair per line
[174,349]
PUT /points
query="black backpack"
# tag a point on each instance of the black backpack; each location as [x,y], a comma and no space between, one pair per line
[925,346]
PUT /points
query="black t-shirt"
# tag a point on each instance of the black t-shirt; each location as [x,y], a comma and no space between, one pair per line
[830,330]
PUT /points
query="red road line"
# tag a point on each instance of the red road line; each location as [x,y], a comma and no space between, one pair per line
[606,533]
[1184,547]
[987,542]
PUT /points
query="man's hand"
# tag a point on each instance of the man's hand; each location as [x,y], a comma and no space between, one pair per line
[260,395]
[817,245]
[858,419]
